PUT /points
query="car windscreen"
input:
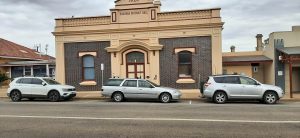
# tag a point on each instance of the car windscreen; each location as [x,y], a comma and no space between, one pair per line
[154,84]
[51,82]
[114,82]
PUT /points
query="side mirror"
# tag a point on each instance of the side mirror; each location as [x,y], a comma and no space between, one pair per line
[151,87]
[44,83]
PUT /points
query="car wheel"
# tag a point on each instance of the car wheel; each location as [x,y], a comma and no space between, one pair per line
[54,96]
[220,97]
[15,96]
[165,98]
[118,97]
[270,98]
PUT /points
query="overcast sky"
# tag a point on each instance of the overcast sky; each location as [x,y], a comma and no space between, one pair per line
[30,22]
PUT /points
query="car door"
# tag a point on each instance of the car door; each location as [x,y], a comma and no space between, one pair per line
[129,88]
[232,85]
[37,88]
[251,89]
[146,90]
[23,85]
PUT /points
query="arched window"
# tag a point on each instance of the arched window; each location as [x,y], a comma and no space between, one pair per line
[135,57]
[88,67]
[185,64]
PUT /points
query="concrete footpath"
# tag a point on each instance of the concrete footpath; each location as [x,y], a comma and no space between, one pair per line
[96,95]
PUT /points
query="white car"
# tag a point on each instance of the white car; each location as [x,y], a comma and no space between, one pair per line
[38,87]
[227,87]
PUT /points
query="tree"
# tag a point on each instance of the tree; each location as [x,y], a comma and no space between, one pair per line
[3,78]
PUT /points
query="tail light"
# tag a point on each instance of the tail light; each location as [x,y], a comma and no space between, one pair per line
[207,84]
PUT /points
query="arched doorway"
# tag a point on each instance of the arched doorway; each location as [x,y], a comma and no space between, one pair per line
[135,65]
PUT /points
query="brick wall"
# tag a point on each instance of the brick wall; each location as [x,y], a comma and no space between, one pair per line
[201,61]
[73,63]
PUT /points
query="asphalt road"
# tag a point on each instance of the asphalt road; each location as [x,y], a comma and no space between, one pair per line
[93,118]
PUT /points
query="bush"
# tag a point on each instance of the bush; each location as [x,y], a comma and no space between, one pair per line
[3,78]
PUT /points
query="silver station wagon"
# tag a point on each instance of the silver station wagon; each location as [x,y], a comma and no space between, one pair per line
[120,89]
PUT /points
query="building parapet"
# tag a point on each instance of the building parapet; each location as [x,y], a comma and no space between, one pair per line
[184,15]
[163,16]
[85,21]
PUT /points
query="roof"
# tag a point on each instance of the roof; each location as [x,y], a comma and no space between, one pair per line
[246,59]
[10,49]
[290,50]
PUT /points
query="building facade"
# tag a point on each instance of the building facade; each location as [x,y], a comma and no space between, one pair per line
[177,49]
[275,62]
[284,48]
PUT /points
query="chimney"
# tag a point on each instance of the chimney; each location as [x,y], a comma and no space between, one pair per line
[259,46]
[232,49]
[296,28]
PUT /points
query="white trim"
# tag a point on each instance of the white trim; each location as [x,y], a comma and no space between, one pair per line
[186,81]
[9,72]
[20,58]
[47,70]
[88,83]
[81,54]
[23,70]
[156,119]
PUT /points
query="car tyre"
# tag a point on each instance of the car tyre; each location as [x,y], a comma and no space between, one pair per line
[54,96]
[220,97]
[118,97]
[16,96]
[270,97]
[165,98]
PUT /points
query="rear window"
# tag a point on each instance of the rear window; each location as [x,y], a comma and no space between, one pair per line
[114,82]
[24,81]
[232,80]
[219,79]
[228,79]
[130,83]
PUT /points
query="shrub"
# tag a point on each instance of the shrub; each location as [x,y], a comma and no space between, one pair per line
[3,78]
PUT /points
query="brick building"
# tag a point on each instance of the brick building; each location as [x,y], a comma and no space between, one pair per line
[176,49]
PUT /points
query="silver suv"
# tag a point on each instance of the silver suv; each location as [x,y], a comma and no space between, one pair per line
[226,87]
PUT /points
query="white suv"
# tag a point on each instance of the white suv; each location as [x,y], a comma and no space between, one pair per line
[226,87]
[37,87]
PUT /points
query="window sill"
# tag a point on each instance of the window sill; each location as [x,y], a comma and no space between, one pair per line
[88,83]
[185,81]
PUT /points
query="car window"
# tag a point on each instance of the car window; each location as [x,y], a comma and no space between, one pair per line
[24,81]
[36,81]
[114,82]
[247,81]
[231,80]
[130,83]
[144,84]
[219,79]
[51,82]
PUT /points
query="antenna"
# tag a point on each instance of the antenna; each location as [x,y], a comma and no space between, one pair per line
[46,49]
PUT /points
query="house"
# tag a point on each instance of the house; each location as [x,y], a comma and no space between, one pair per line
[17,61]
[275,62]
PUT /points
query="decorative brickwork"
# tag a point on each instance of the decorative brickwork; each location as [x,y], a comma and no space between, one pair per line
[73,63]
[201,61]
